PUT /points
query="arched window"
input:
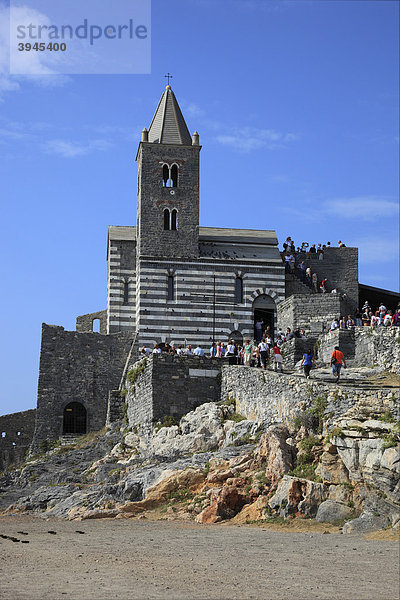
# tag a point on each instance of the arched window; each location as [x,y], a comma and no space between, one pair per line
[166,219]
[174,216]
[165,175]
[171,288]
[74,418]
[126,291]
[239,290]
[96,325]
[174,176]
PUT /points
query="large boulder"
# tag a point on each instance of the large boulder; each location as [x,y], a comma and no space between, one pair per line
[298,497]
[252,512]
[274,452]
[330,511]
[199,431]
[176,482]
[331,468]
[226,503]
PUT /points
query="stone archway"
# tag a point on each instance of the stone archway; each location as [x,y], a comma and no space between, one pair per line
[264,309]
[74,418]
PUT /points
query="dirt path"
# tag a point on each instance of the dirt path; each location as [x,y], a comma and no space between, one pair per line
[128,559]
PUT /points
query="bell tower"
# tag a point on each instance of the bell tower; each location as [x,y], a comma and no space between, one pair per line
[168,185]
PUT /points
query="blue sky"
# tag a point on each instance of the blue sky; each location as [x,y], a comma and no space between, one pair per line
[297,109]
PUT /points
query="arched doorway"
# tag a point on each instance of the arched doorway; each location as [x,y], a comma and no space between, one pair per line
[74,418]
[264,309]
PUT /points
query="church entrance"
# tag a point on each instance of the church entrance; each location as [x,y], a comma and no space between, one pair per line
[74,418]
[264,310]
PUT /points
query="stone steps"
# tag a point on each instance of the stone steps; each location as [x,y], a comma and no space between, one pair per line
[295,286]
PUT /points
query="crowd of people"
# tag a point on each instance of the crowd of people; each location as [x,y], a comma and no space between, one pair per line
[294,263]
[368,317]
[289,246]
[259,352]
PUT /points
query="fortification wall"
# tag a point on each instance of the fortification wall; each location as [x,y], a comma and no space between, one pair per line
[312,312]
[76,367]
[270,397]
[366,345]
[378,346]
[344,338]
[339,266]
[172,385]
[84,323]
[293,350]
[16,434]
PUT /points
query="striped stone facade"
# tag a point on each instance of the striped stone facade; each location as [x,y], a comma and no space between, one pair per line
[189,316]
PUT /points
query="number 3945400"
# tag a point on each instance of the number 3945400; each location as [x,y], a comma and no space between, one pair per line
[41,47]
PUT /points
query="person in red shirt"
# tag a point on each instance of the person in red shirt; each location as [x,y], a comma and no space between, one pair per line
[337,361]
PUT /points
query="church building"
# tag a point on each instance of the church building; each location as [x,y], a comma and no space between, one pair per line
[170,279]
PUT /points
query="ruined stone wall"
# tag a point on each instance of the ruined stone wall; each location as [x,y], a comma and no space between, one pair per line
[344,338]
[172,385]
[16,433]
[367,346]
[293,350]
[312,312]
[269,397]
[84,323]
[76,367]
[378,346]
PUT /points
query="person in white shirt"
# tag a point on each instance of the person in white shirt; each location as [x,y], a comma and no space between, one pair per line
[180,350]
[189,350]
[144,351]
[334,325]
[156,349]
[388,319]
[198,351]
[264,353]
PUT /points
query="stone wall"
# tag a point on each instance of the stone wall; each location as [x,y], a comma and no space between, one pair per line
[312,312]
[172,385]
[84,323]
[76,367]
[366,345]
[269,397]
[344,338]
[378,346]
[293,350]
[16,433]
[339,266]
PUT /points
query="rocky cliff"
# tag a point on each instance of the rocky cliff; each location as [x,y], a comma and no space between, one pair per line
[215,464]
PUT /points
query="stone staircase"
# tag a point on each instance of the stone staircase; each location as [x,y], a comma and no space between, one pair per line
[295,286]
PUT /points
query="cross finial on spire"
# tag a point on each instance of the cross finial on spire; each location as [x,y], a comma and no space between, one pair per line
[168,76]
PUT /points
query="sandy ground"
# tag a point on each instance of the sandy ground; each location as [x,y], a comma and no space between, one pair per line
[129,559]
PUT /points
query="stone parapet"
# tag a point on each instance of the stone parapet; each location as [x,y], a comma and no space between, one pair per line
[171,385]
[312,312]
[269,397]
[16,433]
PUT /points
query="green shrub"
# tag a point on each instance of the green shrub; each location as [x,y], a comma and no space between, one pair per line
[166,421]
[386,417]
[133,374]
[235,417]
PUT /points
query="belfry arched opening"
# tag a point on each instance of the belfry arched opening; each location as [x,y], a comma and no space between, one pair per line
[75,418]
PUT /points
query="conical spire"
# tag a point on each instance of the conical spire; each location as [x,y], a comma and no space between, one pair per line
[168,125]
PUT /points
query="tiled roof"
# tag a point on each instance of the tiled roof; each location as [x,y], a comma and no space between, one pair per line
[168,125]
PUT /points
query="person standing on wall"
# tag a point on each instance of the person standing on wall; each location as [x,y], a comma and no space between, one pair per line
[337,361]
